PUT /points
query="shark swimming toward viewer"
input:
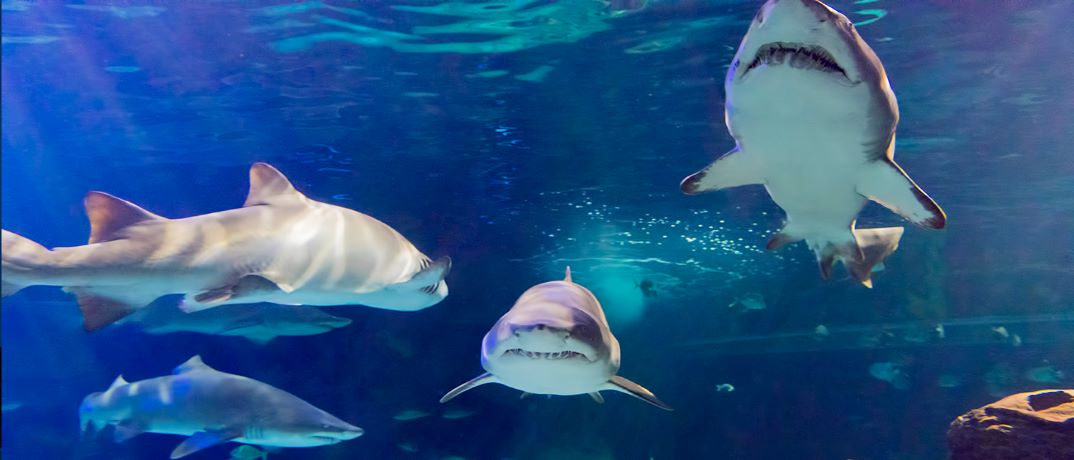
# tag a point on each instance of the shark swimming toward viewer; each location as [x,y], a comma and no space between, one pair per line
[280,247]
[555,340]
[259,323]
[813,117]
[211,407]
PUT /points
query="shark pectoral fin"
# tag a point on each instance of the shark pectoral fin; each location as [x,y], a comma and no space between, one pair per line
[886,183]
[733,169]
[202,440]
[623,385]
[597,397]
[268,185]
[125,430]
[109,215]
[101,308]
[474,382]
[246,286]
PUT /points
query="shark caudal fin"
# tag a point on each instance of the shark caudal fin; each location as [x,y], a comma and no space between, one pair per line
[20,256]
[869,247]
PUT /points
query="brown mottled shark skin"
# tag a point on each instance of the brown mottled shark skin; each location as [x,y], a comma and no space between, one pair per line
[813,117]
[280,247]
[211,407]
[555,340]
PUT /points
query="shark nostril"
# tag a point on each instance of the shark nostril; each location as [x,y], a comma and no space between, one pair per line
[540,327]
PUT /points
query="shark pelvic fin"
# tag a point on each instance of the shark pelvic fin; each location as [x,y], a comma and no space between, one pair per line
[268,185]
[125,430]
[732,169]
[597,397]
[203,440]
[100,309]
[109,216]
[118,382]
[192,364]
[623,385]
[244,287]
[474,382]
[876,245]
[886,183]
[780,240]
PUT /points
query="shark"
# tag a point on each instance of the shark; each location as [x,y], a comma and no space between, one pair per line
[259,323]
[280,247]
[813,117]
[211,407]
[555,340]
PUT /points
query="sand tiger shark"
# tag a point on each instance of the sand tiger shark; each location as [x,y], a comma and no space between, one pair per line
[211,407]
[813,117]
[555,340]
[280,247]
[259,323]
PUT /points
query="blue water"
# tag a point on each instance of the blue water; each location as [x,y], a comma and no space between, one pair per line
[519,137]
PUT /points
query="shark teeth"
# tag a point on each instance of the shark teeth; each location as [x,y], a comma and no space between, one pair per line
[543,355]
[799,56]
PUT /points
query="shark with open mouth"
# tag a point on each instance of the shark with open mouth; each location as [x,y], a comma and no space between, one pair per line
[555,340]
[814,117]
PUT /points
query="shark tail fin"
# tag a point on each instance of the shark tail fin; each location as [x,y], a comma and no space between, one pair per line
[20,256]
[474,382]
[624,385]
[869,247]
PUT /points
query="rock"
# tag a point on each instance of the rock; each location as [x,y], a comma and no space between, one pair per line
[1038,425]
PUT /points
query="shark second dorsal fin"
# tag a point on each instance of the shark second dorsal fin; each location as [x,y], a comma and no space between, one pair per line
[109,215]
[192,364]
[567,277]
[268,185]
[118,382]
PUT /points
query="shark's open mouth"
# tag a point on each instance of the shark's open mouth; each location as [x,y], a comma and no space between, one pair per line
[799,56]
[540,355]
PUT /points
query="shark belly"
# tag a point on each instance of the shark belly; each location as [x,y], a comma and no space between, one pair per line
[810,135]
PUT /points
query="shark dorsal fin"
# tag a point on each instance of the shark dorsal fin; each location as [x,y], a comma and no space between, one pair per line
[109,215]
[268,185]
[192,364]
[118,382]
[567,277]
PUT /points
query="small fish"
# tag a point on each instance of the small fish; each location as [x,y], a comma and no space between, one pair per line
[821,333]
[949,381]
[725,387]
[11,405]
[1045,374]
[749,301]
[891,373]
[410,414]
[407,447]
[1001,332]
[456,413]
[246,452]
[648,288]
[940,333]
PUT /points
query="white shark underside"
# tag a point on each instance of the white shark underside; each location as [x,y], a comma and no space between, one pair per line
[555,340]
[814,118]
[280,247]
[211,407]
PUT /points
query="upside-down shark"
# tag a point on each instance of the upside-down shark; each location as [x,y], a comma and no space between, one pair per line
[813,117]
[280,247]
[211,407]
[555,340]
